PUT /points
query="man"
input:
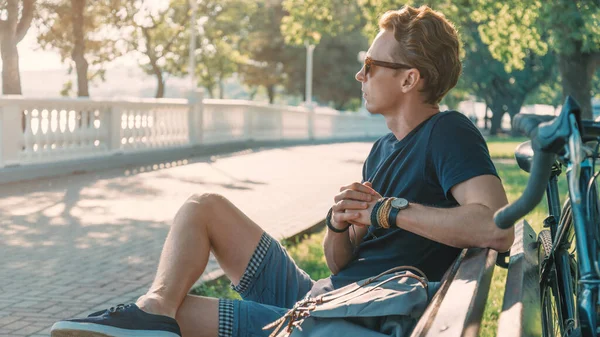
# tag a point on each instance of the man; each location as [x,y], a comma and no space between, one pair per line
[437,161]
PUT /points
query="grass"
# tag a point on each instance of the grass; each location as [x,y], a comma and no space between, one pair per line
[308,252]
[502,147]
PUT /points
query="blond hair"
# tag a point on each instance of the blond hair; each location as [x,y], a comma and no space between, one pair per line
[429,42]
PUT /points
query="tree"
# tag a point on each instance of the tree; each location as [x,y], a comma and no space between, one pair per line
[503,92]
[267,58]
[573,29]
[309,20]
[156,33]
[549,93]
[221,26]
[335,66]
[15,19]
[85,33]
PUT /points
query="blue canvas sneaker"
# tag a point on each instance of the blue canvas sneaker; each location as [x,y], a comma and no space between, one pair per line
[120,321]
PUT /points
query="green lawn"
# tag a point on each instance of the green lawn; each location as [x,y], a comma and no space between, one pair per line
[309,253]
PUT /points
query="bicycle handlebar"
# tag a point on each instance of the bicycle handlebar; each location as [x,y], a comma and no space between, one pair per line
[544,147]
[534,191]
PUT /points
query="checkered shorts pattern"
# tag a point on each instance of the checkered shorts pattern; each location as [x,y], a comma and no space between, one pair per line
[225,318]
[255,261]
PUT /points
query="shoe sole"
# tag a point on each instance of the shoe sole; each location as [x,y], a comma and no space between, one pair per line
[73,329]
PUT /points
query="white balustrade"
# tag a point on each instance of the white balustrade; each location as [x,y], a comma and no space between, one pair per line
[52,130]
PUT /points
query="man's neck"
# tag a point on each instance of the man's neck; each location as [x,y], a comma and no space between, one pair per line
[402,123]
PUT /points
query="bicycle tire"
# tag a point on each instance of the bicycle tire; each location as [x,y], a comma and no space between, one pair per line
[552,323]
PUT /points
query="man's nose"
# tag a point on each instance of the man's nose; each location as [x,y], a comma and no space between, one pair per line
[360,75]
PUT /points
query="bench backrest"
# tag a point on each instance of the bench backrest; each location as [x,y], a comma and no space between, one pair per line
[457,308]
[521,314]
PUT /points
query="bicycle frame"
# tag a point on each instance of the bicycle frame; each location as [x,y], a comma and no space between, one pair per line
[587,294]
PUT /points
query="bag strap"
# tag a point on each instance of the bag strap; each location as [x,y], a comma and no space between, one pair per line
[420,277]
[303,307]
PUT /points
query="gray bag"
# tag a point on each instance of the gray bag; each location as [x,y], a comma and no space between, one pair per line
[388,304]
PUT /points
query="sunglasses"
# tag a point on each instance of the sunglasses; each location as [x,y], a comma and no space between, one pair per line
[369,62]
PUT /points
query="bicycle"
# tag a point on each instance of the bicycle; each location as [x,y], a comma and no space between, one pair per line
[569,281]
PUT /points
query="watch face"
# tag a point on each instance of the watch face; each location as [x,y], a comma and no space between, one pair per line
[400,203]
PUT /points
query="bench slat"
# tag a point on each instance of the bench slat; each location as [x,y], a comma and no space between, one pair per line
[457,308]
[521,315]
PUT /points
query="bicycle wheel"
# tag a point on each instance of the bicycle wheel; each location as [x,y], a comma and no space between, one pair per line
[552,323]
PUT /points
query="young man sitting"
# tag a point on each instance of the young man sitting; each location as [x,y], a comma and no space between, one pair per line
[436,164]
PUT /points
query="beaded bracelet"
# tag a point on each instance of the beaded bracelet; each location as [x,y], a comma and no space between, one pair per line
[384,212]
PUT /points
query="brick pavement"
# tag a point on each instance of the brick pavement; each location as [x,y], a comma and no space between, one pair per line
[76,244]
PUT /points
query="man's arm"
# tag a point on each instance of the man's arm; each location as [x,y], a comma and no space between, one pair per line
[468,225]
[339,247]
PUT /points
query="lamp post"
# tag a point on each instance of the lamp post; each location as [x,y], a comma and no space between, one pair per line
[309,71]
[194,7]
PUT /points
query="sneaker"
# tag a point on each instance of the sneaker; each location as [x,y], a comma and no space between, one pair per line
[120,321]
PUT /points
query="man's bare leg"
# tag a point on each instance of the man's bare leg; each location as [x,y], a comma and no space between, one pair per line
[204,223]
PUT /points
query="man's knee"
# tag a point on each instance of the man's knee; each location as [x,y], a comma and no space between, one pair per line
[208,200]
[203,206]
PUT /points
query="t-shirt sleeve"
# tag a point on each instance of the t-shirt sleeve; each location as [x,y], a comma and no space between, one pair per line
[458,151]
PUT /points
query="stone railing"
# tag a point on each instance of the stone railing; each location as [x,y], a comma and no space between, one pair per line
[53,130]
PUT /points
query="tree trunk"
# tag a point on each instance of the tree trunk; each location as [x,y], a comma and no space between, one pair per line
[577,71]
[12,30]
[160,89]
[271,93]
[78,54]
[211,91]
[221,89]
[11,79]
[486,118]
[253,92]
[496,120]
[513,109]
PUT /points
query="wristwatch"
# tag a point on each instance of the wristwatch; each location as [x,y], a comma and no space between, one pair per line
[397,205]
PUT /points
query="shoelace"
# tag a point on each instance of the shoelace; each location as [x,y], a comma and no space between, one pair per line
[111,310]
[119,307]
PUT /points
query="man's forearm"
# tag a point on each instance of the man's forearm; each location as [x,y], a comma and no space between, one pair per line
[463,226]
[338,250]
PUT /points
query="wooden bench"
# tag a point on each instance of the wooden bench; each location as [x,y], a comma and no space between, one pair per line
[521,312]
[457,308]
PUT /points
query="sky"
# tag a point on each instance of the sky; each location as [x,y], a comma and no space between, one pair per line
[33,58]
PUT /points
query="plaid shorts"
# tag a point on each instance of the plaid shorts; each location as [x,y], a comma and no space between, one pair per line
[270,285]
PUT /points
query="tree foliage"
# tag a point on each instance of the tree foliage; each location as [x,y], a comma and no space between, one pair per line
[85,34]
[221,26]
[156,34]
[569,28]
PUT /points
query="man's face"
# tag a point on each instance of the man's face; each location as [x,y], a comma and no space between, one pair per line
[382,86]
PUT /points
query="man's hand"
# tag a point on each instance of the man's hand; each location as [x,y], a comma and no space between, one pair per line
[355,198]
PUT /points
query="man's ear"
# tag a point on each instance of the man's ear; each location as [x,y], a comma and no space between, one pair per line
[410,80]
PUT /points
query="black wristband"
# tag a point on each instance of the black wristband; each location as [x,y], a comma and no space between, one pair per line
[328,223]
[374,221]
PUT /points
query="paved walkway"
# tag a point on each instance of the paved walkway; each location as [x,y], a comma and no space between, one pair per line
[75,244]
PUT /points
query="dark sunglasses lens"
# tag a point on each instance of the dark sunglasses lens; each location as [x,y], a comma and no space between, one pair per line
[367,68]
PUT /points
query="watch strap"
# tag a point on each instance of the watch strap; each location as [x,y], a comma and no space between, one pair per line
[392,216]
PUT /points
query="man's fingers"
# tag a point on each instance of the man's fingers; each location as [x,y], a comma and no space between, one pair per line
[358,187]
[356,224]
[345,204]
[354,195]
[344,217]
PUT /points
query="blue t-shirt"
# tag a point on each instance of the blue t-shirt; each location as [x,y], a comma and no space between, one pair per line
[440,153]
